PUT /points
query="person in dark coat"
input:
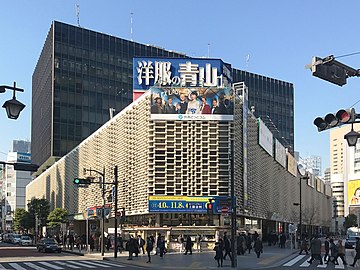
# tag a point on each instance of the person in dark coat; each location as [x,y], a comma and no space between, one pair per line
[157,108]
[315,248]
[357,249]
[227,246]
[188,245]
[161,246]
[149,248]
[327,250]
[91,243]
[130,246]
[219,256]
[249,242]
[240,244]
[258,247]
[170,107]
[282,240]
[304,246]
[334,252]
[108,243]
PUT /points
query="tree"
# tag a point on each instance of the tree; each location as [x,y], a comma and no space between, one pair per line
[350,221]
[22,220]
[56,217]
[40,209]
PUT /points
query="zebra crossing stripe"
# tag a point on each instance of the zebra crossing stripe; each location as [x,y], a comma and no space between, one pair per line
[295,260]
[16,266]
[82,264]
[112,264]
[305,263]
[51,265]
[34,266]
[66,264]
[340,265]
[94,263]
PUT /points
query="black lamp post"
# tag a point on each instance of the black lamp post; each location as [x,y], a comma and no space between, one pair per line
[303,176]
[352,136]
[13,107]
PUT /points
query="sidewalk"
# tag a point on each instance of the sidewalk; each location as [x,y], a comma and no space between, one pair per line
[205,260]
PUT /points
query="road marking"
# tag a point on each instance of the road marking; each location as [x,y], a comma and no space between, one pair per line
[34,266]
[295,260]
[305,263]
[50,265]
[82,264]
[66,264]
[112,264]
[94,263]
[17,266]
[340,264]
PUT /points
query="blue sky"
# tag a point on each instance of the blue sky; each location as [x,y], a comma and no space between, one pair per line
[280,36]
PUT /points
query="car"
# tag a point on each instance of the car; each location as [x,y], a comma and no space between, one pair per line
[350,242]
[15,239]
[25,240]
[48,245]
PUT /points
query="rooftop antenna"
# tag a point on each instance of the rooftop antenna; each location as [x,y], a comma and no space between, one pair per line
[247,62]
[208,50]
[131,26]
[78,13]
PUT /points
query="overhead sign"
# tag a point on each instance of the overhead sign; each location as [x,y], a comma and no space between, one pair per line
[188,204]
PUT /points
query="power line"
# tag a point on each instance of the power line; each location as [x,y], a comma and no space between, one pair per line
[345,55]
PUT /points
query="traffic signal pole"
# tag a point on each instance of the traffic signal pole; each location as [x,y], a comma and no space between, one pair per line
[116,182]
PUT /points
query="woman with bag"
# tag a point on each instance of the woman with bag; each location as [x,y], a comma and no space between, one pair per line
[219,255]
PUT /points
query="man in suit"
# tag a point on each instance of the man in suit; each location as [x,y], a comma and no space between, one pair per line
[215,108]
[204,108]
[169,107]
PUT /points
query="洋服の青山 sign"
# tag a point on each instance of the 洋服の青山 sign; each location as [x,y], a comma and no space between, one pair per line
[186,89]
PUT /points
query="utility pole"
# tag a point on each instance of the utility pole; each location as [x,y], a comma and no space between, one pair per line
[116,182]
[233,208]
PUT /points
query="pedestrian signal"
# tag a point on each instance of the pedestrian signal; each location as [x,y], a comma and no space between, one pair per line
[82,181]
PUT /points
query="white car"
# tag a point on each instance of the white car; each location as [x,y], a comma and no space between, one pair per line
[25,240]
[15,239]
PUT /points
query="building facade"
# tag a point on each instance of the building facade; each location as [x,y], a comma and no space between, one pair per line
[169,159]
[313,163]
[21,146]
[82,74]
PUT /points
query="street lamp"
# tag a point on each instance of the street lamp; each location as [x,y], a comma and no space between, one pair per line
[303,176]
[352,136]
[13,107]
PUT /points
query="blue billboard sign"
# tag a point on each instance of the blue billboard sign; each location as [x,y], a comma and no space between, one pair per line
[188,204]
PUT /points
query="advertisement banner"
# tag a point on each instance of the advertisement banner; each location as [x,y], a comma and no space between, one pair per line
[185,88]
[292,164]
[280,153]
[188,204]
[354,192]
[265,137]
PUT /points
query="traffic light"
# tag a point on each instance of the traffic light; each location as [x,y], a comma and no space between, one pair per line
[331,120]
[25,167]
[83,181]
[329,70]
[210,207]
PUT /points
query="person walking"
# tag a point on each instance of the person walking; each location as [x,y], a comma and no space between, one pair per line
[198,243]
[227,246]
[341,252]
[315,248]
[327,250]
[188,245]
[141,243]
[248,242]
[304,246]
[161,246]
[282,240]
[357,249]
[149,248]
[258,247]
[240,244]
[334,252]
[219,255]
[130,246]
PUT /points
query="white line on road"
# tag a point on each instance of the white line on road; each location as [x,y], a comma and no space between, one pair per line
[51,265]
[295,260]
[34,266]
[112,264]
[66,264]
[17,266]
[95,263]
[82,264]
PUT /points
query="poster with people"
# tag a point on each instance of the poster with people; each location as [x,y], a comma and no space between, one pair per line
[354,192]
[192,103]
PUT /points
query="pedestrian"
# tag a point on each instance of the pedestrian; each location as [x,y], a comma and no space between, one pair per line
[219,256]
[120,244]
[334,252]
[341,252]
[248,242]
[327,250]
[149,248]
[162,248]
[157,251]
[71,241]
[141,243]
[227,247]
[198,242]
[315,248]
[240,241]
[130,246]
[258,247]
[182,244]
[304,246]
[188,245]
[282,240]
[357,249]
[91,243]
[108,243]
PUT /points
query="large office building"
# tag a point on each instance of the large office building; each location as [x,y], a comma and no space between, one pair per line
[81,75]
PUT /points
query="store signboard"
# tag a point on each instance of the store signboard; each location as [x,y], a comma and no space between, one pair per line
[188,204]
[354,192]
[280,153]
[265,139]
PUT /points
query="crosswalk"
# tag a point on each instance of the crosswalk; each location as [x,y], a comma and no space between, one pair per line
[302,261]
[58,265]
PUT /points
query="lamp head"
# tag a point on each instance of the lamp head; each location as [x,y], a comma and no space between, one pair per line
[13,108]
[352,137]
